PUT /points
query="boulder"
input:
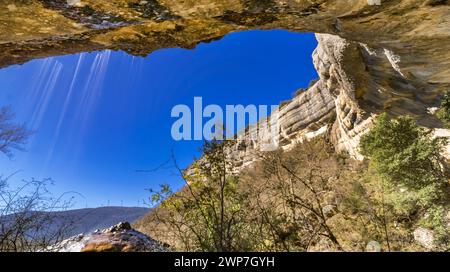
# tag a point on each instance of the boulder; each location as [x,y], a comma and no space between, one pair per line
[425,237]
[373,246]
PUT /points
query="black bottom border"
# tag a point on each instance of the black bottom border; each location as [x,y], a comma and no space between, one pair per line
[258,262]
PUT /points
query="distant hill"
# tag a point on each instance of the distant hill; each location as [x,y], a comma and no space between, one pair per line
[88,220]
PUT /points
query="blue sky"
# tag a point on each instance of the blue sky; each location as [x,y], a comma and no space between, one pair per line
[99,117]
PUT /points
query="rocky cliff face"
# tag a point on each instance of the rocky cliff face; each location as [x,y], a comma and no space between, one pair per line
[392,57]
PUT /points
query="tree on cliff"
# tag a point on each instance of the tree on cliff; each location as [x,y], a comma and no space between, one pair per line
[444,110]
[412,176]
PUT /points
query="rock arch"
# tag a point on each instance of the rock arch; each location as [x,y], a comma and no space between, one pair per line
[391,57]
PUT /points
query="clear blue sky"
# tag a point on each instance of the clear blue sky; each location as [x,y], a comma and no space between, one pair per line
[99,117]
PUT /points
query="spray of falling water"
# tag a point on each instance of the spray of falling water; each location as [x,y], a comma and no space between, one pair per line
[93,87]
[65,107]
[37,81]
[85,99]
[44,95]
[90,94]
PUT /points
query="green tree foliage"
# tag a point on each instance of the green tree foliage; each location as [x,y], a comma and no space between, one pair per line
[404,153]
[414,185]
[444,111]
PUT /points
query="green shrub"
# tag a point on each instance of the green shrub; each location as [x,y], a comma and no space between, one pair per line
[404,153]
[444,111]
[408,160]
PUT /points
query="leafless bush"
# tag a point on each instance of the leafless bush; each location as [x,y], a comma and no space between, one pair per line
[12,136]
[209,214]
[27,218]
[291,191]
[282,203]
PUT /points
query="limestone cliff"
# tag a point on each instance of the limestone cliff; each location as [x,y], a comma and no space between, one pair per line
[392,57]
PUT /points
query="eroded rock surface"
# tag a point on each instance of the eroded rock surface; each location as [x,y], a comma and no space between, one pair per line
[425,238]
[392,57]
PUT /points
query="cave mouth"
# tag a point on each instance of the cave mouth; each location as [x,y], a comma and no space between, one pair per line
[98,117]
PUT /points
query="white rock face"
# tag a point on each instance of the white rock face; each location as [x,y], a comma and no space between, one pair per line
[356,83]
[73,2]
[425,238]
[373,246]
[444,133]
[306,116]
[328,107]
[447,219]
